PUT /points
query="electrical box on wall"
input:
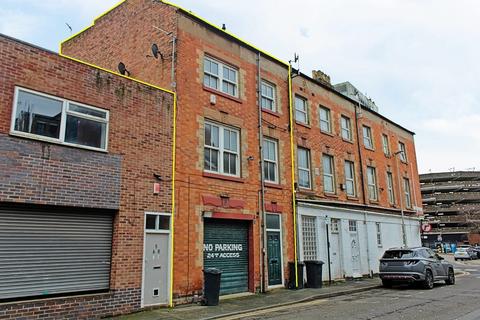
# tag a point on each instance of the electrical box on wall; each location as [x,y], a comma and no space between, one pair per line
[213,99]
[156,188]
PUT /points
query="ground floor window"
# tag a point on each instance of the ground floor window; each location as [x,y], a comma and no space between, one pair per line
[309,236]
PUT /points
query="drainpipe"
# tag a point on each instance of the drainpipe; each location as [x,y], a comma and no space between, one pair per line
[263,232]
[292,159]
[404,238]
[358,110]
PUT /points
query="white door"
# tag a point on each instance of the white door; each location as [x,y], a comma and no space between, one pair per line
[355,249]
[335,253]
[156,256]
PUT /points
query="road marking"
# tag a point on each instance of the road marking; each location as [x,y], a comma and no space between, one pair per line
[471,270]
[270,310]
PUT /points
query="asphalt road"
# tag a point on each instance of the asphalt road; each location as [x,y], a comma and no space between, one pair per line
[460,301]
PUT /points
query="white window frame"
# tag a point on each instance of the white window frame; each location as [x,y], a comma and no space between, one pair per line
[306,169]
[327,121]
[274,162]
[385,145]
[328,175]
[219,76]
[335,225]
[309,238]
[373,172]
[266,97]
[390,188]
[406,189]
[346,130]
[350,165]
[378,229]
[303,111]
[65,111]
[403,149]
[221,149]
[352,226]
[367,137]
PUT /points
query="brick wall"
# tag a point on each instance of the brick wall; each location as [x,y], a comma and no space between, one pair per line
[32,172]
[139,145]
[192,184]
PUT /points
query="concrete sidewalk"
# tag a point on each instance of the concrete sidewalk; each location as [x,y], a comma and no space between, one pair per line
[255,302]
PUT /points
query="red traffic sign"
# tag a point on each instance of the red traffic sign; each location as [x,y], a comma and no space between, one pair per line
[426,227]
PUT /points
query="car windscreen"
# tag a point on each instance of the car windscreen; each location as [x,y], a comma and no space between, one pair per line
[399,254]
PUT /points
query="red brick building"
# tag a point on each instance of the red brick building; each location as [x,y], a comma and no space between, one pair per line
[220,203]
[79,151]
[357,180]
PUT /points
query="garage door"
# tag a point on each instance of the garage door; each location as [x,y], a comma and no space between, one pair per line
[226,248]
[43,253]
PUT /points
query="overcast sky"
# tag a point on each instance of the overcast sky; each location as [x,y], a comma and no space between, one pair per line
[417,59]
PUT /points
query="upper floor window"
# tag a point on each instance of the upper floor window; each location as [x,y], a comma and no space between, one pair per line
[403,151]
[270,160]
[350,178]
[372,183]
[45,117]
[268,96]
[328,174]
[367,137]
[303,161]
[346,125]
[222,151]
[391,192]
[325,120]
[301,110]
[406,188]
[386,145]
[219,76]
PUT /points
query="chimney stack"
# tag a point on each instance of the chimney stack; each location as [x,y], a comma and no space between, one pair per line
[321,77]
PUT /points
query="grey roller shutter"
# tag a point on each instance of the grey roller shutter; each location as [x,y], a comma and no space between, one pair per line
[43,253]
[226,248]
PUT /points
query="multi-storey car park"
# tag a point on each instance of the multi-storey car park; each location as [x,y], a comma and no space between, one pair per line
[451,204]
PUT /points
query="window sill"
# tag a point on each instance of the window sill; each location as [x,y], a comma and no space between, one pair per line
[352,198]
[346,140]
[273,113]
[369,148]
[54,141]
[376,202]
[327,133]
[330,195]
[223,177]
[306,125]
[222,94]
[305,191]
[273,185]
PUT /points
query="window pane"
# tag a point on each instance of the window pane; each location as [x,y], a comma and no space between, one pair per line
[327,164]
[273,221]
[87,111]
[302,158]
[150,221]
[38,115]
[163,222]
[328,183]
[85,132]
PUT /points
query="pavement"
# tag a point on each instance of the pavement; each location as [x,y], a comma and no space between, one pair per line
[278,298]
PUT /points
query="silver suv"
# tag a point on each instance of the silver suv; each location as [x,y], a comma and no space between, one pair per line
[414,265]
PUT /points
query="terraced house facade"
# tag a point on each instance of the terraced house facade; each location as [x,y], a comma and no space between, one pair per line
[262,153]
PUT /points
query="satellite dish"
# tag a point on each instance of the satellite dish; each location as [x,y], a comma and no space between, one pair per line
[155,50]
[122,69]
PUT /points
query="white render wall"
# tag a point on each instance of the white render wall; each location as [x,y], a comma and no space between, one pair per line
[391,234]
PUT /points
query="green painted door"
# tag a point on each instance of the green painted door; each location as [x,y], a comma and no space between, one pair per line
[226,248]
[274,257]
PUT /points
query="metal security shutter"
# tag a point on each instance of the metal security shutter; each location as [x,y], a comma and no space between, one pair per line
[226,248]
[43,253]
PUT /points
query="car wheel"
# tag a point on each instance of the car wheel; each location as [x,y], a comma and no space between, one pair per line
[387,283]
[456,259]
[428,282]
[451,277]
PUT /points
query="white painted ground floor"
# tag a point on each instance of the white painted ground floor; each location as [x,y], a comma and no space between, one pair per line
[357,238]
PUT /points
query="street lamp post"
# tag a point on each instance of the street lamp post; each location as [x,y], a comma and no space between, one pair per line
[404,236]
